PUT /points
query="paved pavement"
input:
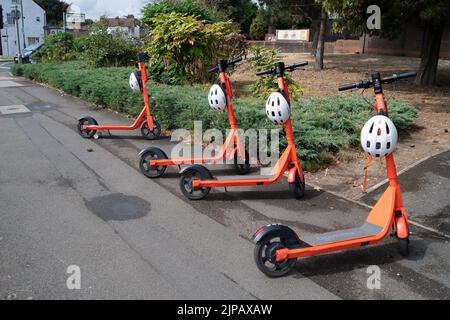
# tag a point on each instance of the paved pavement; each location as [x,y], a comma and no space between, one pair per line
[62,205]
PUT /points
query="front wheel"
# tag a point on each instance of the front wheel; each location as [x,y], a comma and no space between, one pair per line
[298,187]
[151,134]
[87,121]
[242,167]
[265,257]
[149,171]
[191,175]
[403,245]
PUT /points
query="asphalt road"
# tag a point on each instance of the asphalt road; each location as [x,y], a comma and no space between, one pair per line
[133,238]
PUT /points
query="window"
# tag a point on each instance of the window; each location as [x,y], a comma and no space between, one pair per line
[38,19]
[32,40]
[9,18]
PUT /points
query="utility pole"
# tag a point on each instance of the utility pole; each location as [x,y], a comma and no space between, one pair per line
[23,23]
[16,18]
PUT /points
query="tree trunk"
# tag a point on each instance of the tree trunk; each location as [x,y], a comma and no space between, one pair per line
[321,43]
[431,46]
[316,39]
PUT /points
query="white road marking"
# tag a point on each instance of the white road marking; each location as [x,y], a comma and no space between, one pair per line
[9,84]
[15,109]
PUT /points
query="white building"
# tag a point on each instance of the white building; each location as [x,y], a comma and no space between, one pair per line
[30,28]
[128,26]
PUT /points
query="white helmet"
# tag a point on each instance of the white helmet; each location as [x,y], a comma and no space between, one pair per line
[136,82]
[379,137]
[217,98]
[277,108]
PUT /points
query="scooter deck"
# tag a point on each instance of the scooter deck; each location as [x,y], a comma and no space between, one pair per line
[366,230]
[249,177]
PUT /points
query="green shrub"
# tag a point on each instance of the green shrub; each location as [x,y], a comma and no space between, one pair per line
[101,49]
[186,7]
[182,48]
[263,58]
[56,48]
[323,127]
[257,29]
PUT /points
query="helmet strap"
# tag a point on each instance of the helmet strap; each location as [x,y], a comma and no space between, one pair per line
[369,162]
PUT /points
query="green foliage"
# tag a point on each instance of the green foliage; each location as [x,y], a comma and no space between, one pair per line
[185,47]
[263,58]
[80,44]
[396,14]
[56,48]
[241,12]
[101,49]
[187,7]
[257,29]
[323,127]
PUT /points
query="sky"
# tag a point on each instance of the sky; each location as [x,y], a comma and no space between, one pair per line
[112,8]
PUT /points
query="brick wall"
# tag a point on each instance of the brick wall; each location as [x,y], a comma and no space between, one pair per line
[409,44]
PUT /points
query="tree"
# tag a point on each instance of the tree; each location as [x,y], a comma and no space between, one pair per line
[321,39]
[257,29]
[241,12]
[54,10]
[396,15]
[188,7]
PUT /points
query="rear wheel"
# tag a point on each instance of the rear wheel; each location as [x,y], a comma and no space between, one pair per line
[298,188]
[403,246]
[242,167]
[149,171]
[265,257]
[187,179]
[88,121]
[151,134]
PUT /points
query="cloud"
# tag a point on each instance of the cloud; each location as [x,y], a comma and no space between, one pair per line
[112,8]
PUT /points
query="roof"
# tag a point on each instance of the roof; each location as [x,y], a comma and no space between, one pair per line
[129,21]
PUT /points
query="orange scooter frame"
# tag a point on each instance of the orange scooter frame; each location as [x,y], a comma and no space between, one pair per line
[153,161]
[196,181]
[150,128]
[278,247]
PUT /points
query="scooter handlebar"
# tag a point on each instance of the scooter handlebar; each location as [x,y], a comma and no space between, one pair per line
[289,68]
[365,84]
[294,66]
[228,64]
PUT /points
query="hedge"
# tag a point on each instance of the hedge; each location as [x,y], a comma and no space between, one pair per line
[323,127]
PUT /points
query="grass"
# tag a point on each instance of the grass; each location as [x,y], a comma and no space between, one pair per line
[326,128]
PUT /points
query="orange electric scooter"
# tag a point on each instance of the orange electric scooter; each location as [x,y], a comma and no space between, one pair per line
[150,129]
[154,161]
[196,181]
[278,247]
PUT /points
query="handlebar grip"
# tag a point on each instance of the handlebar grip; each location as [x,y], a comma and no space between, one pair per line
[348,86]
[264,72]
[407,75]
[213,70]
[235,61]
[298,65]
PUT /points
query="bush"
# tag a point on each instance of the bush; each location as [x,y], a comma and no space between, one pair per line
[185,46]
[186,7]
[257,29]
[101,49]
[263,58]
[323,127]
[57,47]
